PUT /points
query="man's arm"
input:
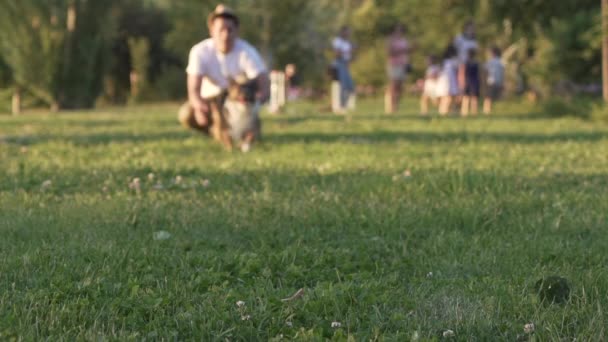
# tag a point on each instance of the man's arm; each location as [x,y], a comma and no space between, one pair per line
[196,101]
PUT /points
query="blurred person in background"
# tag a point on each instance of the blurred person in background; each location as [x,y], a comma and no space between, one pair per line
[495,77]
[431,80]
[472,85]
[398,50]
[343,50]
[292,80]
[447,84]
[463,43]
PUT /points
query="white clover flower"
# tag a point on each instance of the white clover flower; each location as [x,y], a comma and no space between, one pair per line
[336,325]
[448,333]
[245,317]
[161,235]
[46,184]
[178,179]
[529,328]
[150,176]
[429,275]
[240,304]
[135,184]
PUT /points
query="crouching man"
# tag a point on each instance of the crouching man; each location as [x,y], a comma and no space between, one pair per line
[214,64]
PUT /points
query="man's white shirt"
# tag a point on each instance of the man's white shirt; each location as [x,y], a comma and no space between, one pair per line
[218,68]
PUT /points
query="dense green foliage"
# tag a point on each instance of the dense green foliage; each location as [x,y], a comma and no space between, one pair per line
[62,67]
[397,227]
[549,47]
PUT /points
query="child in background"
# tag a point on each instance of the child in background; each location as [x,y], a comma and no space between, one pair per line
[447,85]
[495,72]
[292,82]
[431,79]
[470,99]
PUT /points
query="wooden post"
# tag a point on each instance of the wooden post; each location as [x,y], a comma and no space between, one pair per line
[16,101]
[605,49]
[134,85]
[336,102]
[277,91]
[70,25]
[71,18]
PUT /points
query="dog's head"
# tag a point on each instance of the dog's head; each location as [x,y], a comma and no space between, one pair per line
[243,91]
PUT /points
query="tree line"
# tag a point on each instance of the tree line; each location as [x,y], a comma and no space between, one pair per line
[79,53]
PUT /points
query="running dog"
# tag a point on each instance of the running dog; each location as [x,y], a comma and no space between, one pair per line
[241,115]
[234,116]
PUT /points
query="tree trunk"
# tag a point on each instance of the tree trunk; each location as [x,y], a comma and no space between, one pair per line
[266,38]
[16,102]
[134,86]
[67,52]
[605,49]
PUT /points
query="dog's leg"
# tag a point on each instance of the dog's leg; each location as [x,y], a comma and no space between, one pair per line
[252,135]
[220,127]
[225,132]
[247,141]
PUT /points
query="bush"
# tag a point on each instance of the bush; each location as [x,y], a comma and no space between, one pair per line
[599,112]
[139,49]
[369,67]
[169,85]
[562,107]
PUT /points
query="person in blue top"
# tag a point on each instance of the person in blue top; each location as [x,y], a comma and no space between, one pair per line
[344,50]
[495,76]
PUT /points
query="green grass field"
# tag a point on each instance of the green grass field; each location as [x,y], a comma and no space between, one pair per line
[397,227]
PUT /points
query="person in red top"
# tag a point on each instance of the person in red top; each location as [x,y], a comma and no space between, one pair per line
[398,50]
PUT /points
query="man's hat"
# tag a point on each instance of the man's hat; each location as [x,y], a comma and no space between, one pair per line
[222,11]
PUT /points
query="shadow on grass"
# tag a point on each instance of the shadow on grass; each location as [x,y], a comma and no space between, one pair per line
[376,137]
[91,136]
[97,138]
[431,137]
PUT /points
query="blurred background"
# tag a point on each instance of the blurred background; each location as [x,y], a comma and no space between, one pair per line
[73,54]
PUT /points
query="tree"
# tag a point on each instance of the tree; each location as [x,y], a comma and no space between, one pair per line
[605,49]
[30,43]
[56,49]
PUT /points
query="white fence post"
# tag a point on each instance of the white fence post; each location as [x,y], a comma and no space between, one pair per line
[277,91]
[336,104]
